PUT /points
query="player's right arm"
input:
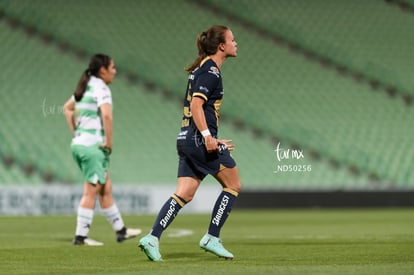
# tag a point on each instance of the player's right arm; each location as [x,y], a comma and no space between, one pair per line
[69,111]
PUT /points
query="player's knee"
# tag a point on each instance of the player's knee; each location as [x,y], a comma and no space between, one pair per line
[235,186]
[188,198]
[238,188]
[90,194]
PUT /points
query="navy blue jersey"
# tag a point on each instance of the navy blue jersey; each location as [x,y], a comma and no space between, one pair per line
[204,82]
[194,160]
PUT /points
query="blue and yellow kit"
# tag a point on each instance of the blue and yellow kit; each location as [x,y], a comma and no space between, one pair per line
[204,82]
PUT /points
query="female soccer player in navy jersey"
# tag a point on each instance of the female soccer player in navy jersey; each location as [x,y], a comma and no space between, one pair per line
[199,149]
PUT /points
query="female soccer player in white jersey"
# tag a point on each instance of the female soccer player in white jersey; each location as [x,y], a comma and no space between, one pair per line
[89,116]
[199,149]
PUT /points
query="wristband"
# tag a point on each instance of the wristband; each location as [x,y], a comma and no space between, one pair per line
[205,133]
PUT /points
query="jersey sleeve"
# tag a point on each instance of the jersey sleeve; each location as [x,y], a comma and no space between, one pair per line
[103,95]
[206,83]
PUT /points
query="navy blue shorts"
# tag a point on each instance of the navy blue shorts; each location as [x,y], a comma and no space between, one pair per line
[195,161]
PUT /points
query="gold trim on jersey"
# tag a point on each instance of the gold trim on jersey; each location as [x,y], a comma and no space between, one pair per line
[200,95]
[188,94]
[217,105]
[204,60]
[187,112]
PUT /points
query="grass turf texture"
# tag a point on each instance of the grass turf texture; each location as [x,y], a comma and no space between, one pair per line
[374,241]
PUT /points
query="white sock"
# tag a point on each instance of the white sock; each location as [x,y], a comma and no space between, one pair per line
[84,221]
[113,216]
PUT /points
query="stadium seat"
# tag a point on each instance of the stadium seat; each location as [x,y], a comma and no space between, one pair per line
[355,132]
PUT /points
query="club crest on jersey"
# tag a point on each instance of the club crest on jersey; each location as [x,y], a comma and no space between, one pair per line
[215,71]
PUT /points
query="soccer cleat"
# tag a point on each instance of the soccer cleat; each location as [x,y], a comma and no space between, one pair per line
[79,240]
[213,244]
[126,234]
[150,245]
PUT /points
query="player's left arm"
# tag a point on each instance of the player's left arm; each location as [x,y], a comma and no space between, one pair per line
[106,114]
[69,111]
[104,101]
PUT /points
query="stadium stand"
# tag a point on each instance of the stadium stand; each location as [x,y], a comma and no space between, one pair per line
[351,136]
[368,37]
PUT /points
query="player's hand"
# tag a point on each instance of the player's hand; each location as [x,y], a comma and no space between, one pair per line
[106,148]
[220,145]
[227,142]
[210,143]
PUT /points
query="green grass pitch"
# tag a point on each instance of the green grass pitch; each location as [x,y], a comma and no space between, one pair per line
[307,241]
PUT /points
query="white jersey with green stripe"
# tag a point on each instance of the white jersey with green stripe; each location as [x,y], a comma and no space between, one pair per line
[88,122]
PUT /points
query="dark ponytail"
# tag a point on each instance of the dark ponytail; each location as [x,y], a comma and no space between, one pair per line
[97,61]
[207,44]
